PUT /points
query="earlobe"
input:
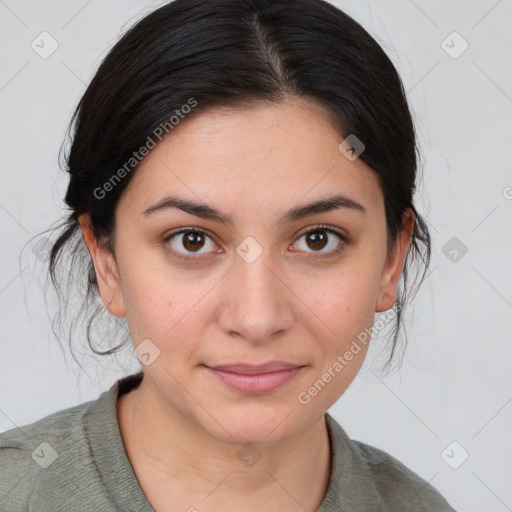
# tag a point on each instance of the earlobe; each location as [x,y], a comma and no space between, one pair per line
[105,268]
[388,290]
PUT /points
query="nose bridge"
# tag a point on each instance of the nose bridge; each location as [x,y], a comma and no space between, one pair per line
[258,303]
[257,278]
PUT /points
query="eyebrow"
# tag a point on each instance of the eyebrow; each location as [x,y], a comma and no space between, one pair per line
[207,212]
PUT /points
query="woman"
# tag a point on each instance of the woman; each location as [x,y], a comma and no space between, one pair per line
[241,174]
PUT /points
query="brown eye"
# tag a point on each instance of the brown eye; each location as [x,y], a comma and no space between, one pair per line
[190,241]
[321,240]
[193,240]
[316,240]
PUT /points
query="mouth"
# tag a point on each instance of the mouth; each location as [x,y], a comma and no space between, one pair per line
[255,379]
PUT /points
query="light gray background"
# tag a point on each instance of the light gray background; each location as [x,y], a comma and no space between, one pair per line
[455,382]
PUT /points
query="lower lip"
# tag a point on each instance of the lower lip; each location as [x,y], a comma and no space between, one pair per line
[260,383]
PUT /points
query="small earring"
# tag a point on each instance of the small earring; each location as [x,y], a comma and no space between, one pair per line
[110,300]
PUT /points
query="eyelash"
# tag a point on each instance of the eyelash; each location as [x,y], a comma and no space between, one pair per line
[322,227]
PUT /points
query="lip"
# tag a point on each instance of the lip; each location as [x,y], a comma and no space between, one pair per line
[255,369]
[255,378]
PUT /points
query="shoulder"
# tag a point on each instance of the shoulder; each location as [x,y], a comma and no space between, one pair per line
[376,477]
[399,486]
[35,457]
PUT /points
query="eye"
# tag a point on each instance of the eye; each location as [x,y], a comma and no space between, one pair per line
[186,243]
[192,240]
[320,238]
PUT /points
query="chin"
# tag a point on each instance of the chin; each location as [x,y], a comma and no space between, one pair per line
[257,425]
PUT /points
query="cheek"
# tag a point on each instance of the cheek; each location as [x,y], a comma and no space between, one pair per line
[347,307]
[345,300]
[148,303]
[164,305]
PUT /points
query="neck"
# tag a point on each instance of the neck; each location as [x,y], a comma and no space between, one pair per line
[167,447]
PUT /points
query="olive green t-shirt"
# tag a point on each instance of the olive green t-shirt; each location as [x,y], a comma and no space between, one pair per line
[74,460]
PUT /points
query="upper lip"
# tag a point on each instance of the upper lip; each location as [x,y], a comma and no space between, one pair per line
[252,369]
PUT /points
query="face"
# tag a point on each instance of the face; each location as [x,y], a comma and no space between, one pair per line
[252,277]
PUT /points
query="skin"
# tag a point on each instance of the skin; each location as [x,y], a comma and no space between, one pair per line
[182,427]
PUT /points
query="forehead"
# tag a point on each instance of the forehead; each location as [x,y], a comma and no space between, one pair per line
[252,158]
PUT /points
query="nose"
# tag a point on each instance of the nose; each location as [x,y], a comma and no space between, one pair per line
[258,303]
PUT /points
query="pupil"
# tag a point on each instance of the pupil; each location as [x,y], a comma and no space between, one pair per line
[189,240]
[317,238]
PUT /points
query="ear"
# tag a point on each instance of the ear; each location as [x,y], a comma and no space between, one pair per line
[394,264]
[106,270]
